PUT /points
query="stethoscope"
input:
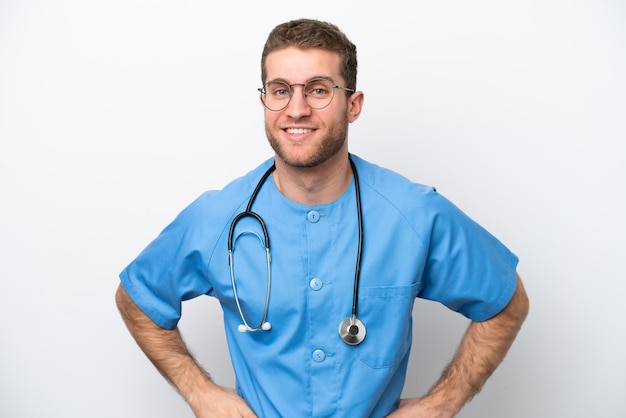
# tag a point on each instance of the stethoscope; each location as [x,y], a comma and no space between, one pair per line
[351,329]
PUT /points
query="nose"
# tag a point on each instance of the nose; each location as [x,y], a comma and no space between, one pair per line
[298,107]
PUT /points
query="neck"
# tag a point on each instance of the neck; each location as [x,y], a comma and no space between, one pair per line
[316,185]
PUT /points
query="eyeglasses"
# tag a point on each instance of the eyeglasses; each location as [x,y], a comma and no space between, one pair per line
[317,92]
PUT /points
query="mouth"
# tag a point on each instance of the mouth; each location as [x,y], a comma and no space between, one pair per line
[298,131]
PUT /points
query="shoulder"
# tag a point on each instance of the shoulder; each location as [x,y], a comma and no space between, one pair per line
[216,207]
[394,188]
[231,196]
[390,195]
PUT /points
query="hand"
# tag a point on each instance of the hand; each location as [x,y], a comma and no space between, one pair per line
[221,402]
[419,408]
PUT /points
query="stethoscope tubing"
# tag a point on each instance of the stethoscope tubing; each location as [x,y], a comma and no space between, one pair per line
[351,329]
[357,269]
[263,325]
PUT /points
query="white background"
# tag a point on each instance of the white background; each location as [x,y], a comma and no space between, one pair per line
[114,115]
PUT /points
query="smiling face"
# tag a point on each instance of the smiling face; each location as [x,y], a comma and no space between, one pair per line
[301,136]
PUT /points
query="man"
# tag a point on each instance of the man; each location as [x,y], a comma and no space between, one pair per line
[345,248]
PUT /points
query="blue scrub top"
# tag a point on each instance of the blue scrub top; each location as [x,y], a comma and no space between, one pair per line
[415,244]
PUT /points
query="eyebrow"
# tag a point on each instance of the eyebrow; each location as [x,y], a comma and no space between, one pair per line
[306,81]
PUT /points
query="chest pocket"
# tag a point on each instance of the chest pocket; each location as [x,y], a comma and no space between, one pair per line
[386,312]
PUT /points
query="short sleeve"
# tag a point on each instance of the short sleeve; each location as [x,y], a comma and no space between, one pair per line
[171,269]
[468,269]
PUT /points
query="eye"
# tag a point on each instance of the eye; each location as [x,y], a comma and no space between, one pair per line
[318,88]
[278,90]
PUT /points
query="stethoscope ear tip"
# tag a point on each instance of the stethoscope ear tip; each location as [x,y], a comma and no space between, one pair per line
[266,326]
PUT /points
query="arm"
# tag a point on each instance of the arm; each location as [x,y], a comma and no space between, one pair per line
[481,350]
[168,352]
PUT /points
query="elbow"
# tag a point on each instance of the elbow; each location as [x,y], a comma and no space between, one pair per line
[520,303]
[121,299]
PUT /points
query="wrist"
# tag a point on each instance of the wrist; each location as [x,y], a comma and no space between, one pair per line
[430,406]
[192,382]
[198,393]
[449,400]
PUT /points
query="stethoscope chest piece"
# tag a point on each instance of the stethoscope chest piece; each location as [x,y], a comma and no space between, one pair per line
[352,330]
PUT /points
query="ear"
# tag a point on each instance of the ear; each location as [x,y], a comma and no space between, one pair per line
[355,105]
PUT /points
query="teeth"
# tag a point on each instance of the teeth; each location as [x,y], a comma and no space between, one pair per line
[298,131]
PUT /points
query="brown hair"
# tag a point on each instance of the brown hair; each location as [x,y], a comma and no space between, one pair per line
[310,33]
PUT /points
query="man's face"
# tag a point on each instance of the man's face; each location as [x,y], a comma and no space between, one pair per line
[300,135]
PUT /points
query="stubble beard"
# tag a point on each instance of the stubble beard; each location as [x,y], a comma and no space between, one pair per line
[325,149]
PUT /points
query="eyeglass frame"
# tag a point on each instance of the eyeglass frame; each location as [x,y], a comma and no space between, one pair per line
[304,95]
